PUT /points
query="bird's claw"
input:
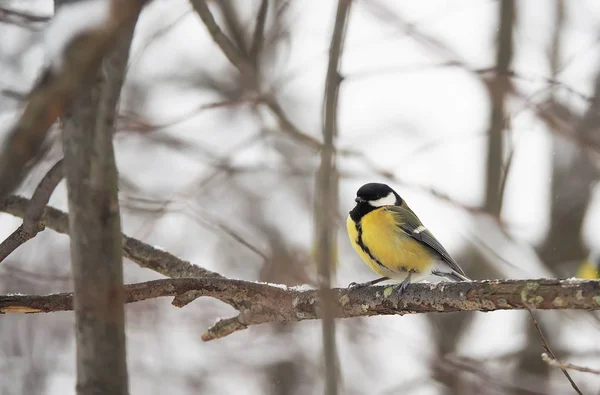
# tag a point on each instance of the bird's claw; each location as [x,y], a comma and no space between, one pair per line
[402,287]
[354,285]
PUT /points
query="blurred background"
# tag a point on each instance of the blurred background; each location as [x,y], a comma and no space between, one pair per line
[482,114]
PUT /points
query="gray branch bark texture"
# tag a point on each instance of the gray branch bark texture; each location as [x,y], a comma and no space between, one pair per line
[95,228]
[260,303]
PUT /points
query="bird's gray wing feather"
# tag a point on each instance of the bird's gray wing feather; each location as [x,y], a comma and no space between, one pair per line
[412,226]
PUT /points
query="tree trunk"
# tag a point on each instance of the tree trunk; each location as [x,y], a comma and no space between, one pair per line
[95,230]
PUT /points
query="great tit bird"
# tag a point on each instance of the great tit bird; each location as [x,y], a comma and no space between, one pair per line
[589,268]
[393,242]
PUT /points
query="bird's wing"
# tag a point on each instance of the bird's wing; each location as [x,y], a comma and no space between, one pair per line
[410,224]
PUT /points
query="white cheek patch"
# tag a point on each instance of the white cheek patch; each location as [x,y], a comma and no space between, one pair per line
[389,200]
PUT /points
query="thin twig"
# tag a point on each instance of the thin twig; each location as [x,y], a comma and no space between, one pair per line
[260,303]
[248,72]
[22,19]
[504,176]
[234,56]
[554,362]
[546,347]
[137,251]
[259,33]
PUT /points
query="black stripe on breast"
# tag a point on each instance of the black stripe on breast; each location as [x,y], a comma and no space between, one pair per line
[366,249]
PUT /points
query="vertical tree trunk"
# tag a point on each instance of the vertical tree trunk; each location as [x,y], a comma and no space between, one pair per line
[498,88]
[451,326]
[326,197]
[95,230]
[572,177]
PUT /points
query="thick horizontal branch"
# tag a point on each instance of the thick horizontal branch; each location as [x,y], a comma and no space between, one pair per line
[260,303]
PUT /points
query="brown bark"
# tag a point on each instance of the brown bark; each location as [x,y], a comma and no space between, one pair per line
[260,303]
[95,228]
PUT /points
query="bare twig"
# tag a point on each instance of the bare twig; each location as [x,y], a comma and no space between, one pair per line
[229,50]
[20,18]
[248,73]
[554,362]
[260,303]
[139,252]
[546,347]
[504,176]
[32,224]
[259,33]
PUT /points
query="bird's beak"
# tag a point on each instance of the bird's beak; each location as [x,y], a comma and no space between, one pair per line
[359,200]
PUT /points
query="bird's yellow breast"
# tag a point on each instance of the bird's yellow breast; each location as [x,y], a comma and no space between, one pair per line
[384,247]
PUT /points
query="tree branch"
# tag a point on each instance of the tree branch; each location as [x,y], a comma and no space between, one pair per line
[139,252]
[260,303]
[32,224]
[549,352]
[554,362]
[259,30]
[41,196]
[249,73]
[51,96]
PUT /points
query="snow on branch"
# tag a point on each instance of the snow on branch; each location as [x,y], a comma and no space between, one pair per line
[259,303]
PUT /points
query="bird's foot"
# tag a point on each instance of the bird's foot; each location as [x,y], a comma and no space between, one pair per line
[402,287]
[354,285]
[404,284]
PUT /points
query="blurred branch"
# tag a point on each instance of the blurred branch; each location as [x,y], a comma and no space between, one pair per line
[326,196]
[546,347]
[260,303]
[139,252]
[22,19]
[32,224]
[249,74]
[454,365]
[499,87]
[554,362]
[259,33]
[56,89]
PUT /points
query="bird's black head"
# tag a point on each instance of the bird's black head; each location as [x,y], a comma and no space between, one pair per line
[372,196]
